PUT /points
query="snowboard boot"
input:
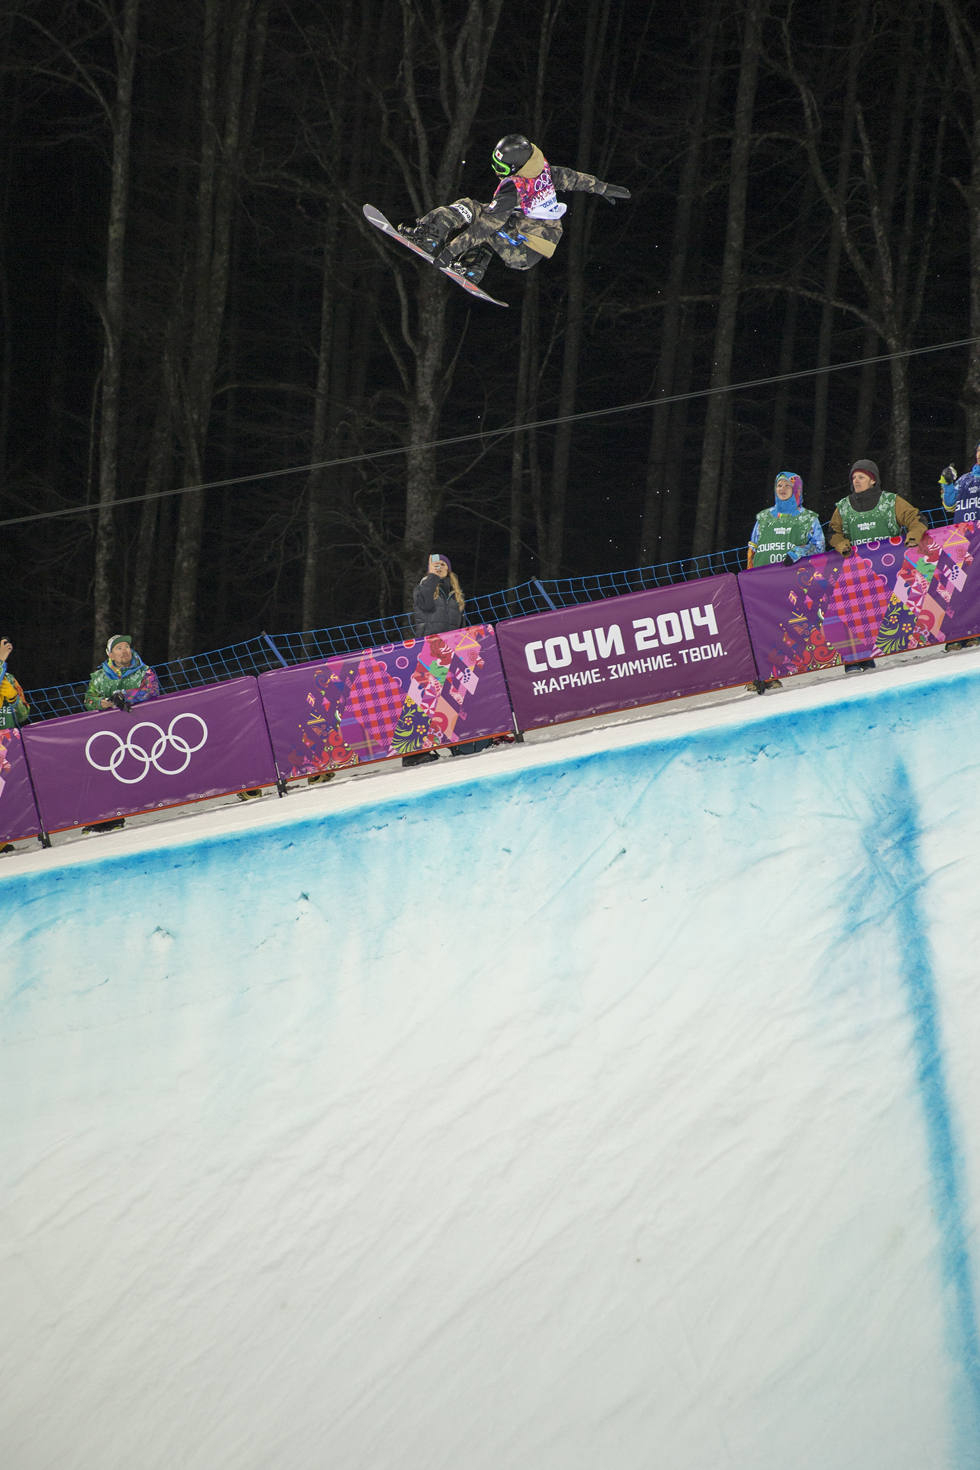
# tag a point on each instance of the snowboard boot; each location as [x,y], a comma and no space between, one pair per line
[424,236]
[472,265]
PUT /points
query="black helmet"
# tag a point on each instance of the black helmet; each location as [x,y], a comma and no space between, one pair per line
[510,153]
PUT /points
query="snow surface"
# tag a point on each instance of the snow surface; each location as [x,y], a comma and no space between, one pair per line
[608,1102]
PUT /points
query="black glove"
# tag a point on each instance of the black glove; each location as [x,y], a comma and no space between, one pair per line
[787,560]
[445,258]
[948,475]
[612,192]
[119,700]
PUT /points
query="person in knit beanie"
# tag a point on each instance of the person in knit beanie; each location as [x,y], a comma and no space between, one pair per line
[437,607]
[872,514]
[438,601]
[121,682]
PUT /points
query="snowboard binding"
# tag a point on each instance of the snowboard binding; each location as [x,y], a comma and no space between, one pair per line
[472,266]
[422,237]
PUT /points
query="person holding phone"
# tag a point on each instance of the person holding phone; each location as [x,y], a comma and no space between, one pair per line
[14,709]
[437,607]
[438,602]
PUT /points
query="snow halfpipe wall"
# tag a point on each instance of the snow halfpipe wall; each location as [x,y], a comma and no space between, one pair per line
[606,1103]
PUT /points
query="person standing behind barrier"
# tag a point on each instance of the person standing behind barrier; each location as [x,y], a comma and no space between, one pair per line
[871,514]
[961,493]
[437,607]
[783,533]
[14,709]
[438,602]
[961,499]
[121,682]
[123,679]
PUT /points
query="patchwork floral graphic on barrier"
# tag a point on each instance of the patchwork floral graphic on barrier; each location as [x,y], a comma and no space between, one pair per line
[885,597]
[18,813]
[932,591]
[399,699]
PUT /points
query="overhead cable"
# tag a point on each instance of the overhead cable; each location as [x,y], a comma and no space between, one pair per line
[505,432]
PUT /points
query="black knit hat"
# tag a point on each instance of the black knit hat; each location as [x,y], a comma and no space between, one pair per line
[869,468]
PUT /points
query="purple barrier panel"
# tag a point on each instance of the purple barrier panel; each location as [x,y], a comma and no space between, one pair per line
[638,649]
[446,689]
[18,810]
[884,597]
[182,748]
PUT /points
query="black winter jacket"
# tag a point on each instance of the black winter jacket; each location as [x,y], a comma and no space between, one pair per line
[434,609]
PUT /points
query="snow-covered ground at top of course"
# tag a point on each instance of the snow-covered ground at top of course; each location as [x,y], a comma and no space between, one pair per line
[388,780]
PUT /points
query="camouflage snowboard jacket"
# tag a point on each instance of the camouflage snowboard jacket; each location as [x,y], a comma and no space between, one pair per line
[541,235]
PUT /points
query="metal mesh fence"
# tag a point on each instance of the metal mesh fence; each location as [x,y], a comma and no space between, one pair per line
[264,652]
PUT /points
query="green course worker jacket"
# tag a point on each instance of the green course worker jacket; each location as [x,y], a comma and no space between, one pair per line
[872,516]
[776,537]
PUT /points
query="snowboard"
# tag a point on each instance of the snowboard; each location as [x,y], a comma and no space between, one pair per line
[377,218]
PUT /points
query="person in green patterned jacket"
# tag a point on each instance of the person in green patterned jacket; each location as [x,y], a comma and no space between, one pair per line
[123,680]
[786,531]
[871,514]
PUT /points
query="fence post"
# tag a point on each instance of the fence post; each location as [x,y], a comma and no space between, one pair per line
[275,650]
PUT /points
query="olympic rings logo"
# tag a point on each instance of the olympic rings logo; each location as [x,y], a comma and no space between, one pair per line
[150,757]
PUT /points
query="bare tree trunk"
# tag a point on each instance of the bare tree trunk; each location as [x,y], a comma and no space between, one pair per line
[580,214]
[461,71]
[896,136]
[228,100]
[787,351]
[731,275]
[525,367]
[316,485]
[675,490]
[124,42]
[653,505]
[818,450]
[158,472]
[429,388]
[727,472]
[861,426]
[787,357]
[966,42]
[6,322]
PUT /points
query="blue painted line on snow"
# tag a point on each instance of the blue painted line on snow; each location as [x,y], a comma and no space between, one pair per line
[898,853]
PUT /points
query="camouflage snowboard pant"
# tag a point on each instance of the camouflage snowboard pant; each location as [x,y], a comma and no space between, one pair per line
[456,218]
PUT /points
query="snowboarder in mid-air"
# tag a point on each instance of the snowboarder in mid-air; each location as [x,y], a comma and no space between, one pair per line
[521,224]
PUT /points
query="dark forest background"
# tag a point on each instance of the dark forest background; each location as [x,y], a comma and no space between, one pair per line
[188,293]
